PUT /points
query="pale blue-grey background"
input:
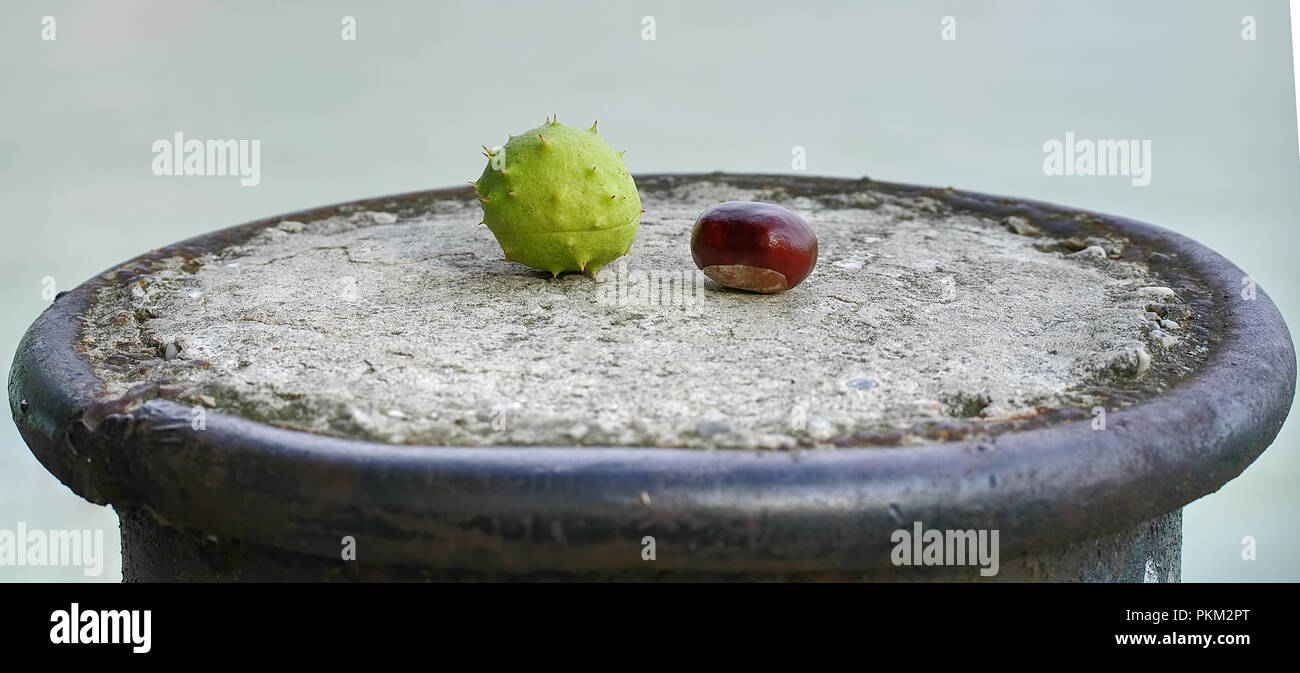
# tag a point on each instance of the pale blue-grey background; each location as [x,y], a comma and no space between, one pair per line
[869,88]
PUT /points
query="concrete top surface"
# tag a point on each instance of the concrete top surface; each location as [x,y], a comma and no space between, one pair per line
[409,327]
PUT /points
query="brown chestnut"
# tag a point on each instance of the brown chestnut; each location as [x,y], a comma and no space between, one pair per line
[758,247]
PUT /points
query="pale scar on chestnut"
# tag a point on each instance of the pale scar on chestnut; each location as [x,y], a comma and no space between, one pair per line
[745,277]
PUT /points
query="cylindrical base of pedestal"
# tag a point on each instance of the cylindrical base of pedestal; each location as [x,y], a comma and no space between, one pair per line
[153,551]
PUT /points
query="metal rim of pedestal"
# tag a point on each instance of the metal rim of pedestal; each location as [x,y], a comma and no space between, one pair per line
[528,509]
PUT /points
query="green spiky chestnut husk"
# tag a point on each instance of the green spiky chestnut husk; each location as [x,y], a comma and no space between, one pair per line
[560,199]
